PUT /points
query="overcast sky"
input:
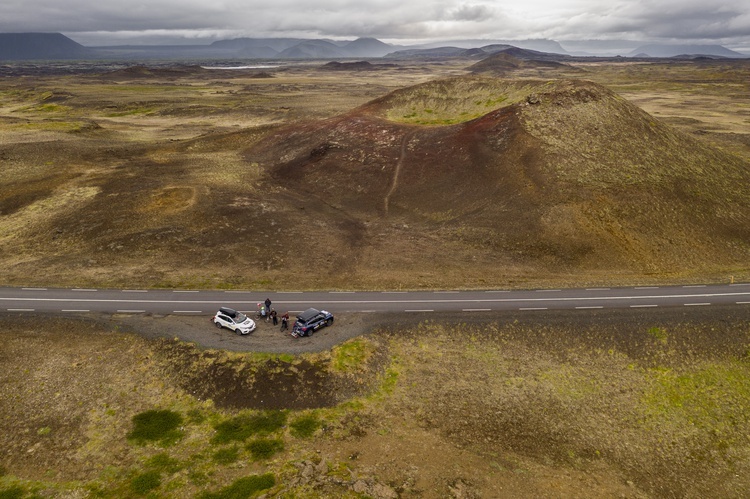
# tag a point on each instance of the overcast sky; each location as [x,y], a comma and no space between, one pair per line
[96,22]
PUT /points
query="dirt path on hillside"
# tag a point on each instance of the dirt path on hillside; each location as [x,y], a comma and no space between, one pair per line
[397,173]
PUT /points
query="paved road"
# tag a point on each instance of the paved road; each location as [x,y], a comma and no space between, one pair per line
[158,301]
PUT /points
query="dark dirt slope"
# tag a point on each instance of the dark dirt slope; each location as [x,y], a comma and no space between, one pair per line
[552,176]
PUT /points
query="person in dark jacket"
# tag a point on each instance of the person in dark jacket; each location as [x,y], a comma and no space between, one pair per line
[274,317]
[268,307]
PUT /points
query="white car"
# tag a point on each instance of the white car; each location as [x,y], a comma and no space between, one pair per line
[234,320]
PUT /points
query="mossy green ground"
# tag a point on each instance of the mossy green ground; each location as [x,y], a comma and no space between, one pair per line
[647,404]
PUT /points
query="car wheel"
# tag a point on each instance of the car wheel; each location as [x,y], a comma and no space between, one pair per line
[218,324]
[329,322]
[238,331]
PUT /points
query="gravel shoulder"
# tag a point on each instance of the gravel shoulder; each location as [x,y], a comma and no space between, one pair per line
[267,338]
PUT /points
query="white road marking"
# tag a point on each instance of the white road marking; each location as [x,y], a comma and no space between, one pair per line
[74,310]
[130,311]
[532,308]
[34,289]
[394,292]
[289,292]
[743,303]
[445,292]
[235,291]
[189,312]
[341,292]
[586,308]
[458,301]
[548,290]
[477,310]
[695,286]
[498,291]
[134,291]
[82,289]
[695,304]
[643,306]
[185,291]
[741,284]
[598,289]
[647,287]
[20,310]
[417,310]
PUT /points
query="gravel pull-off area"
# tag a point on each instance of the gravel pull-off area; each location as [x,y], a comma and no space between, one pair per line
[267,338]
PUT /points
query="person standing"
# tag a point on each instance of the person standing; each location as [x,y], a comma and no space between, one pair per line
[274,317]
[285,321]
[268,307]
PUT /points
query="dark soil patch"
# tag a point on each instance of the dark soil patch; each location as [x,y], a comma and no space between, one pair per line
[243,383]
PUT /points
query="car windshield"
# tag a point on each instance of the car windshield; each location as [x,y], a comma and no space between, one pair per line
[240,317]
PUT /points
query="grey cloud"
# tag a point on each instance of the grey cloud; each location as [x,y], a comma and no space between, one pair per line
[472,13]
[390,19]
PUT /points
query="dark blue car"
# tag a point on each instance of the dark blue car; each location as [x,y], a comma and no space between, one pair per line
[310,321]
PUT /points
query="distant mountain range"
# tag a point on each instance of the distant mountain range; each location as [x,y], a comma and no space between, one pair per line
[657,50]
[56,46]
[24,46]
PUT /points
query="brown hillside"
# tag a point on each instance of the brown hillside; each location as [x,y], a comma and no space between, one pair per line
[469,181]
[554,176]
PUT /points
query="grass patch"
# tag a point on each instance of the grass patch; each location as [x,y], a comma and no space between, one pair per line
[240,428]
[14,492]
[715,398]
[352,355]
[227,455]
[264,448]
[145,482]
[160,426]
[141,111]
[659,334]
[242,488]
[196,416]
[305,426]
[53,126]
[163,463]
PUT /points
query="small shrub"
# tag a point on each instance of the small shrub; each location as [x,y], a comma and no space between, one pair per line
[145,482]
[242,488]
[264,448]
[242,427]
[227,455]
[156,426]
[305,426]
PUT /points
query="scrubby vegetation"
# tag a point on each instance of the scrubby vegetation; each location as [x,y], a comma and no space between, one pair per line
[631,175]
[549,176]
[633,403]
[161,426]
